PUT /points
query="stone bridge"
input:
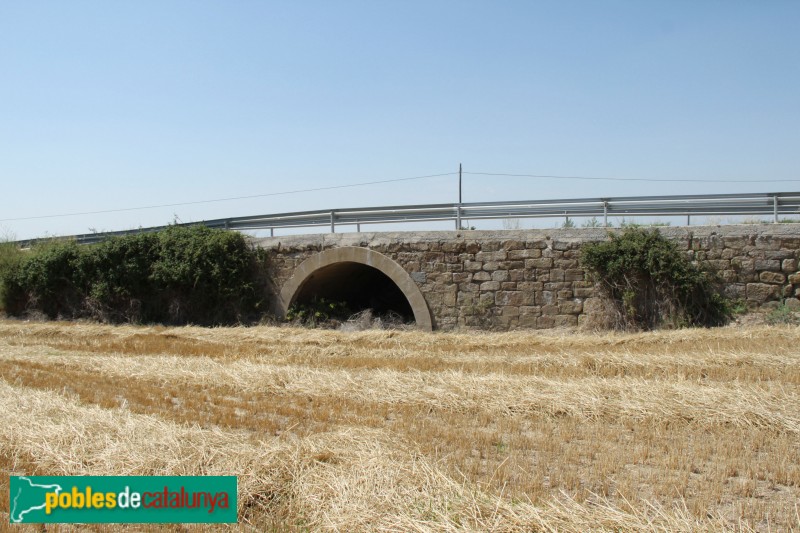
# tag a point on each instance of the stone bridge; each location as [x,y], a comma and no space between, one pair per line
[509,279]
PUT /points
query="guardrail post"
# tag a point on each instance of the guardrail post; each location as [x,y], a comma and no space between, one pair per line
[458,217]
[333,226]
[271,232]
[775,208]
[358,227]
[605,213]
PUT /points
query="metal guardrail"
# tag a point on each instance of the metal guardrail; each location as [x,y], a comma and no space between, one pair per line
[773,204]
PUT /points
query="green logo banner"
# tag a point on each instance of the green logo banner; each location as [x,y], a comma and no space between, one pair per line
[122,499]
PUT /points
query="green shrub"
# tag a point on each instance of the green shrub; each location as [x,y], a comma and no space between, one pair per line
[318,312]
[179,275]
[10,256]
[651,283]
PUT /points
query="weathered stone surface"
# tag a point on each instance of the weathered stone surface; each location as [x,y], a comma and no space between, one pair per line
[473,266]
[792,303]
[583,292]
[768,264]
[574,275]
[531,278]
[500,275]
[543,262]
[461,277]
[761,292]
[737,291]
[563,321]
[574,307]
[508,298]
[491,256]
[772,277]
[533,253]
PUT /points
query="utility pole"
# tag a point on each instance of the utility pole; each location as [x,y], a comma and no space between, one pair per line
[458,207]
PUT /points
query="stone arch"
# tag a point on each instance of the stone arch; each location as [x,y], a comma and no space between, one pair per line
[363,256]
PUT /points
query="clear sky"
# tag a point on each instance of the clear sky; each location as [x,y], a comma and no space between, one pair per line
[108,105]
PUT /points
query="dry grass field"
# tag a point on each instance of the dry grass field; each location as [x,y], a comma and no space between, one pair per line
[405,431]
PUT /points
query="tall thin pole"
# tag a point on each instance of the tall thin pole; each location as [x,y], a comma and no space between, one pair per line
[458,207]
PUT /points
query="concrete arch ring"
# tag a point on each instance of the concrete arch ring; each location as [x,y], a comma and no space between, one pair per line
[365,256]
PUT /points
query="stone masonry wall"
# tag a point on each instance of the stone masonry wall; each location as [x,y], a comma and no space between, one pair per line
[532,278]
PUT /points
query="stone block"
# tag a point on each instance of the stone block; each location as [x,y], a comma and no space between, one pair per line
[533,310]
[772,277]
[745,266]
[574,275]
[729,276]
[462,277]
[779,254]
[794,279]
[556,274]
[792,303]
[767,242]
[491,256]
[500,275]
[772,265]
[549,309]
[574,307]
[547,298]
[419,277]
[564,245]
[737,291]
[516,274]
[565,264]
[594,306]
[534,253]
[454,246]
[718,264]
[510,310]
[473,266]
[482,276]
[512,245]
[486,300]
[565,321]
[508,285]
[736,242]
[762,292]
[543,262]
[510,265]
[545,322]
[508,298]
[468,287]
[538,244]
[564,294]
[789,265]
[583,292]
[490,286]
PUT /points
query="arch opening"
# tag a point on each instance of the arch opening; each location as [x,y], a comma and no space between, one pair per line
[353,273]
[359,286]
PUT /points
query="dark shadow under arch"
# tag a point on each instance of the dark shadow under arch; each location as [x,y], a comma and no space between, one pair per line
[362,277]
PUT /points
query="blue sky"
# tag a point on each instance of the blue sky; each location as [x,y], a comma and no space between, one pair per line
[109,105]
